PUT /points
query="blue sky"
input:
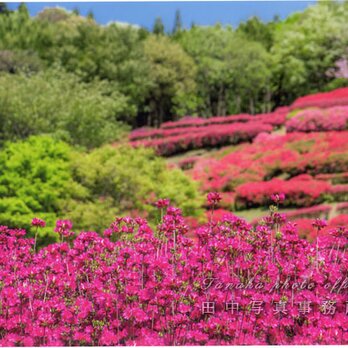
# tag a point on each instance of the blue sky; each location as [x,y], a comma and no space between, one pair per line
[201,13]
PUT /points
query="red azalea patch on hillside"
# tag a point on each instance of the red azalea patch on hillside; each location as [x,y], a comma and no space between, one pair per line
[196,125]
[336,97]
[207,137]
[319,120]
[300,193]
[271,155]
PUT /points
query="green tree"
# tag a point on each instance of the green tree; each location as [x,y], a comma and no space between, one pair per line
[19,61]
[172,74]
[57,103]
[255,30]
[44,177]
[177,22]
[4,9]
[90,15]
[306,46]
[228,65]
[158,27]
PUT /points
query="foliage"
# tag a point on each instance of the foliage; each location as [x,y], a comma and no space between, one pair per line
[46,177]
[35,178]
[129,179]
[203,70]
[56,102]
[226,84]
[172,75]
[306,46]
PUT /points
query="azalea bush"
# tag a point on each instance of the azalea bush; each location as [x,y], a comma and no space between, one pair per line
[319,120]
[317,211]
[271,155]
[305,226]
[237,284]
[300,193]
[197,124]
[208,137]
[322,100]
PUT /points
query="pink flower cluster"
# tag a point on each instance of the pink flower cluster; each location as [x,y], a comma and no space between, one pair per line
[212,136]
[319,120]
[270,155]
[38,222]
[335,178]
[196,124]
[276,118]
[336,97]
[237,285]
[63,228]
[300,193]
[305,227]
[342,208]
[321,211]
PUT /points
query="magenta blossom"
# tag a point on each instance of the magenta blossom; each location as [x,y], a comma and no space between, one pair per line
[162,203]
[319,224]
[63,228]
[63,225]
[38,222]
[278,198]
[213,198]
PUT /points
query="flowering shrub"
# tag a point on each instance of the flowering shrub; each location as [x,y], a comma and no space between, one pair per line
[318,211]
[199,122]
[302,193]
[276,118]
[237,285]
[322,100]
[339,192]
[305,226]
[187,163]
[196,124]
[270,155]
[335,178]
[340,220]
[342,208]
[208,137]
[319,120]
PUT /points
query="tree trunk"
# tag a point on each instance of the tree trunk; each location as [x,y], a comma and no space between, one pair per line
[238,102]
[251,105]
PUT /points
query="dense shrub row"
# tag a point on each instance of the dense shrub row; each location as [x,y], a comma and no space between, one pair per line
[300,193]
[196,125]
[318,211]
[336,97]
[335,178]
[319,120]
[271,155]
[212,136]
[273,118]
[160,288]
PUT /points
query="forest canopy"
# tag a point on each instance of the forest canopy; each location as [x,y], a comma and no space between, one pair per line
[146,78]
